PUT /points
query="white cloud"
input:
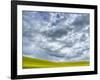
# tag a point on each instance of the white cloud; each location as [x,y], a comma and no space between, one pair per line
[56,36]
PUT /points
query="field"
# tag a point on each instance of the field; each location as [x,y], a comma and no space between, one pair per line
[38,63]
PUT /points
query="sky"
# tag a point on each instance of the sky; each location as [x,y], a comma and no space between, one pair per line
[56,36]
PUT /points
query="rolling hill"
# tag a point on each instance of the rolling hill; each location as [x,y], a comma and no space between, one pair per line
[38,63]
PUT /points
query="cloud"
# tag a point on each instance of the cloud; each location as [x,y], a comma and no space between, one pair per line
[56,36]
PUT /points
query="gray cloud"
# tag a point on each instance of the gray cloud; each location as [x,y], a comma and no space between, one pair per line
[56,36]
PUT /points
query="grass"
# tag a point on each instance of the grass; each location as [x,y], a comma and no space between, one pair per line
[38,63]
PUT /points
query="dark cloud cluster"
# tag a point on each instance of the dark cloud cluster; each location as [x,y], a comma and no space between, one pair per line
[56,36]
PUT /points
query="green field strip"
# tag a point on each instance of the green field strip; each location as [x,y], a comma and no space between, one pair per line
[37,63]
